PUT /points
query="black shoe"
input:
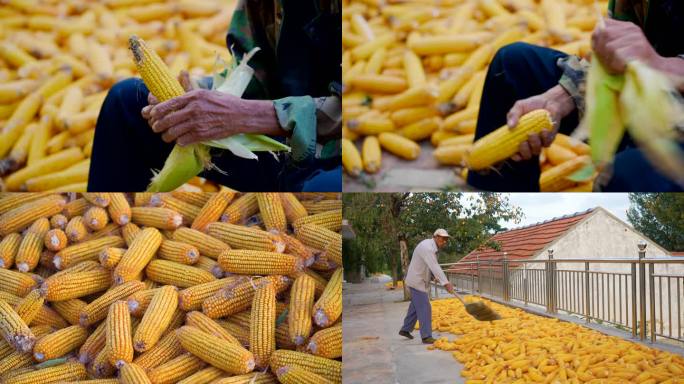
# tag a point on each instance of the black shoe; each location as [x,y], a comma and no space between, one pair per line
[428,340]
[406,334]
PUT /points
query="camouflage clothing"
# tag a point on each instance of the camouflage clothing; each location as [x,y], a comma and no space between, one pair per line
[662,22]
[298,68]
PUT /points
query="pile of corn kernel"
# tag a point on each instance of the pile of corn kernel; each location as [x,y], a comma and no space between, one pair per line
[415,71]
[177,287]
[58,59]
[526,348]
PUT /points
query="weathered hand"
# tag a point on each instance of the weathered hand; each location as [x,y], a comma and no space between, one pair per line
[619,42]
[559,104]
[183,78]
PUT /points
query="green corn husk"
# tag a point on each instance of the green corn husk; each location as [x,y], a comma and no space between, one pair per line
[184,163]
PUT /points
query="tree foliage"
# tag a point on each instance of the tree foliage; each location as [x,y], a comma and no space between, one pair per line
[659,216]
[380,220]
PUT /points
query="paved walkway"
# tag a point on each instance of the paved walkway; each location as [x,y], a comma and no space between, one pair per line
[373,352]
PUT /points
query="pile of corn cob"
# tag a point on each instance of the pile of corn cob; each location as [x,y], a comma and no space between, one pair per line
[170,288]
[525,348]
[414,70]
[59,58]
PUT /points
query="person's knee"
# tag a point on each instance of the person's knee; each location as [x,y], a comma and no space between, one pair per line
[512,54]
[132,88]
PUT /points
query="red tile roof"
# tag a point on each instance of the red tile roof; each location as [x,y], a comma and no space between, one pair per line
[677,254]
[522,243]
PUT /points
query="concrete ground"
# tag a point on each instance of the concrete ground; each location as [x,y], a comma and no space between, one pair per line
[373,352]
[396,175]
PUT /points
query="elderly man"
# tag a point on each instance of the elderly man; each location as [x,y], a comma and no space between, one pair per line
[424,262]
[295,95]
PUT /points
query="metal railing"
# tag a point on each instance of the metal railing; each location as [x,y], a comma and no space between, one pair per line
[642,296]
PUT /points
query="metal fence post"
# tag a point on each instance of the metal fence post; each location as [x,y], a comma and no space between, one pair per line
[642,289]
[651,287]
[634,300]
[479,276]
[549,283]
[526,286]
[587,296]
[506,280]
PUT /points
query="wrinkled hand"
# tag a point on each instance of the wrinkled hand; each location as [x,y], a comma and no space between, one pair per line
[449,287]
[559,104]
[618,43]
[183,78]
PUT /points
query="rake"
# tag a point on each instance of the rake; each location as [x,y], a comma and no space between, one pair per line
[479,310]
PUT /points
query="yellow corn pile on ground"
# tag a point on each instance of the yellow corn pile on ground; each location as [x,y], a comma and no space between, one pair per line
[58,59]
[526,348]
[117,301]
[416,69]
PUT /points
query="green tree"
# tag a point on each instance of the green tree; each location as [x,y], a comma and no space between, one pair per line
[660,216]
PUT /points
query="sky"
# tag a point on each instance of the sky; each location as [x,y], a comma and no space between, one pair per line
[539,207]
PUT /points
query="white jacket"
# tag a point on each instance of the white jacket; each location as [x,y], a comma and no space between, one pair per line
[424,261]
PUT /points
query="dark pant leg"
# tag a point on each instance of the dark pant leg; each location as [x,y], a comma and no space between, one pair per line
[125,148]
[518,71]
[411,317]
[424,311]
[632,172]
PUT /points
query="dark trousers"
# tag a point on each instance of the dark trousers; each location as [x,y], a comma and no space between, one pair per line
[519,71]
[419,310]
[126,150]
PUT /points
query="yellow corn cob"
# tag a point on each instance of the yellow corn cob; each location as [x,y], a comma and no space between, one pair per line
[133,374]
[50,164]
[572,144]
[75,285]
[504,142]
[220,353]
[100,61]
[70,310]
[187,210]
[327,342]
[29,307]
[207,245]
[75,208]
[399,145]
[87,250]
[94,343]
[555,178]
[413,97]
[297,375]
[372,156]
[331,220]
[179,252]
[46,316]
[16,124]
[58,221]
[207,325]
[452,154]
[206,375]
[370,125]
[320,238]
[8,249]
[175,369]
[557,154]
[351,158]
[262,325]
[141,199]
[76,229]
[84,266]
[378,83]
[328,308]
[98,199]
[96,310]
[14,55]
[15,200]
[209,265]
[15,90]
[292,206]
[139,301]
[110,257]
[31,245]
[154,71]
[38,147]
[119,208]
[296,248]
[375,62]
[93,381]
[156,319]
[100,366]
[129,231]
[241,209]
[166,349]
[59,343]
[300,310]
[191,298]
[212,209]
[405,116]
[64,372]
[238,297]
[314,207]
[55,240]
[197,199]
[241,237]
[14,330]
[249,262]
[20,217]
[415,74]
[272,212]
[138,255]
[118,334]
[96,218]
[457,140]
[180,275]
[162,218]
[327,368]
[239,331]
